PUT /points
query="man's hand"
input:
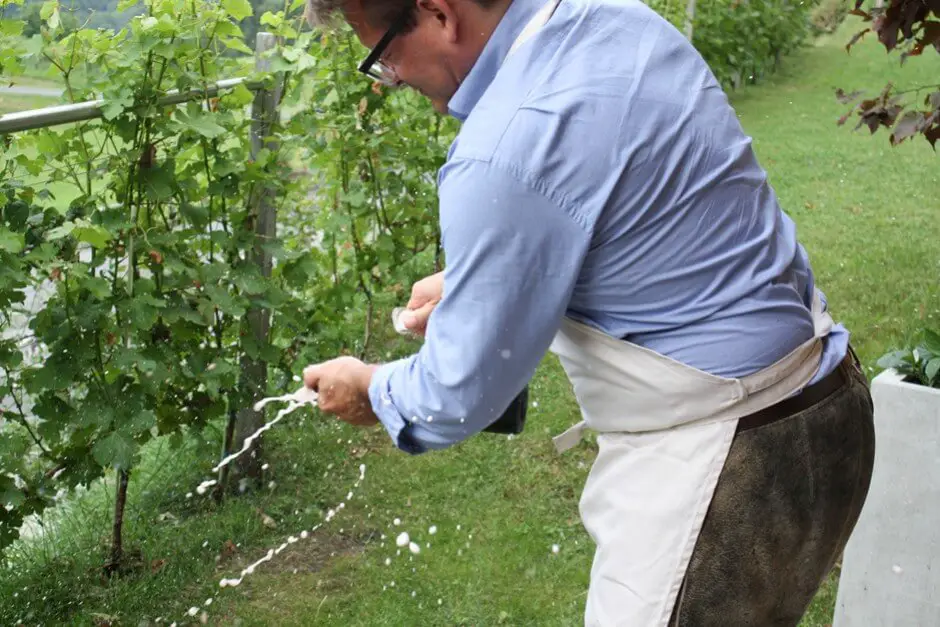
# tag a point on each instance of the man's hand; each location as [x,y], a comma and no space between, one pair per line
[343,388]
[425,295]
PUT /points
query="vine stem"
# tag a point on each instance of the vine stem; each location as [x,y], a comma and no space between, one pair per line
[913,90]
[377,187]
[21,418]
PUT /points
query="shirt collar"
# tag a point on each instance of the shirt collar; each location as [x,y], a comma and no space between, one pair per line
[491,58]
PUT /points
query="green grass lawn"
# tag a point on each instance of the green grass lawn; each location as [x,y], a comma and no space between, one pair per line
[867,214]
[36,78]
[11,103]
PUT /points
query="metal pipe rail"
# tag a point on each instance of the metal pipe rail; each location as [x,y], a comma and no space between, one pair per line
[80,111]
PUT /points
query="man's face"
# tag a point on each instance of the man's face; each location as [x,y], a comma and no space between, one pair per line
[424,58]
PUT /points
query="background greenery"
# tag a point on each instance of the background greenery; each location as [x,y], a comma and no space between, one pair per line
[864,211]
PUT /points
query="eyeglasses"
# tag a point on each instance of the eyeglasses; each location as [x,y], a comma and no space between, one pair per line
[373,66]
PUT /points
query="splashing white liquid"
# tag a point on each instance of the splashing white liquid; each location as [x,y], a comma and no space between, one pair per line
[290,540]
[298,399]
[303,396]
[205,485]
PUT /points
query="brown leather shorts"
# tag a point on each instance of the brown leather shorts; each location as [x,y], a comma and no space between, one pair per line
[787,500]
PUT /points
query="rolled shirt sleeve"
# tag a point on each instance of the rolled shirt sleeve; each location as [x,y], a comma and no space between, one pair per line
[513,254]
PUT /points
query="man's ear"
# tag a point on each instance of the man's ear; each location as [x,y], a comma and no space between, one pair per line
[442,14]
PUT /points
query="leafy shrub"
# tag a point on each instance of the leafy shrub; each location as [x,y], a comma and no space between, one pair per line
[744,39]
[921,363]
[139,231]
[828,15]
[741,40]
[905,26]
[911,27]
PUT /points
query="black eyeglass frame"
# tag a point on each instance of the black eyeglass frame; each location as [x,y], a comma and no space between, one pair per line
[375,54]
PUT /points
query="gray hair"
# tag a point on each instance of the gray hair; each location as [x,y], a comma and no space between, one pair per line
[379,13]
[322,12]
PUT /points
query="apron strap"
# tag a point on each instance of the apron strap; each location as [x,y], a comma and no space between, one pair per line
[538,21]
[822,325]
[570,438]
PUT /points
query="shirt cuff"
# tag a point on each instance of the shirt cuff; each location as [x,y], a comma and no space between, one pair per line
[380,395]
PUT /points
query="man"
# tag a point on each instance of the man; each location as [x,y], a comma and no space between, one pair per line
[602,200]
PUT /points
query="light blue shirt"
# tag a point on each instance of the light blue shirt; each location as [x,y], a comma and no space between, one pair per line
[600,173]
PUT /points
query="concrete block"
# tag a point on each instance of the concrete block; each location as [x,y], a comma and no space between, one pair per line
[891,567]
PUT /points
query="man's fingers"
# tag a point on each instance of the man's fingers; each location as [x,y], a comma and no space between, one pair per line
[417,301]
[419,297]
[428,289]
[312,377]
[417,319]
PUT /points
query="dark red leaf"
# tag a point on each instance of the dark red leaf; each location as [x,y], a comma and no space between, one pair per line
[845,98]
[889,37]
[888,24]
[872,121]
[876,113]
[933,100]
[930,34]
[933,134]
[891,114]
[914,12]
[862,14]
[855,38]
[909,125]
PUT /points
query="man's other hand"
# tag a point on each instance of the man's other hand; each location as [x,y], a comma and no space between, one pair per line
[425,295]
[343,388]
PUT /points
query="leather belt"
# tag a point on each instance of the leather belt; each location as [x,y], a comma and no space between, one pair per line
[810,396]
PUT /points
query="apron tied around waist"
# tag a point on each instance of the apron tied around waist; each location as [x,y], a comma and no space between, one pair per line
[664,432]
[624,387]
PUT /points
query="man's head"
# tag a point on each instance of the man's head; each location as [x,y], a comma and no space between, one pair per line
[429,45]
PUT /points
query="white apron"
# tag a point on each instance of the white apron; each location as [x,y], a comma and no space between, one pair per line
[664,433]
[665,430]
